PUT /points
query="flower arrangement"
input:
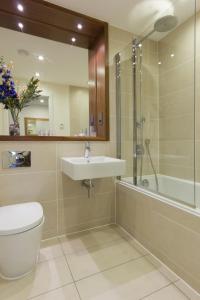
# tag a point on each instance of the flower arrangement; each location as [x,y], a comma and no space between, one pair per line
[11,99]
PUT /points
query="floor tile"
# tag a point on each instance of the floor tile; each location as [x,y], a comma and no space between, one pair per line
[67,292]
[87,239]
[162,268]
[49,275]
[169,292]
[50,249]
[129,281]
[125,235]
[99,258]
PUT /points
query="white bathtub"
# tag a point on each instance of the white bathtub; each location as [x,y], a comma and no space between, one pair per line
[183,191]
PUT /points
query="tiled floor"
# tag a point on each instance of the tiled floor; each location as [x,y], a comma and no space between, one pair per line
[103,264]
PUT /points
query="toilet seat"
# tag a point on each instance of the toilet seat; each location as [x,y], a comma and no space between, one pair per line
[18,218]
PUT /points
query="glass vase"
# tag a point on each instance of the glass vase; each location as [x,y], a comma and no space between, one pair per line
[14,129]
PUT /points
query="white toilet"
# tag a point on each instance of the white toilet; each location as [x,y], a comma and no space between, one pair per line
[20,236]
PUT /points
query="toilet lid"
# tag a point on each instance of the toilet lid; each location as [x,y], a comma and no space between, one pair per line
[20,217]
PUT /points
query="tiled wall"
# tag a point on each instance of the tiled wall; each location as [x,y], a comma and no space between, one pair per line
[148,103]
[171,234]
[177,101]
[66,205]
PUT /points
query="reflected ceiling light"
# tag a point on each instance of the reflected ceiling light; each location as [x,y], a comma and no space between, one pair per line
[20,25]
[41,101]
[41,57]
[73,40]
[91,83]
[20,7]
[140,45]
[172,55]
[160,63]
[80,26]
[37,74]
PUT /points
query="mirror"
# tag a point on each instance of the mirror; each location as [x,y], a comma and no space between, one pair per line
[71,69]
[63,107]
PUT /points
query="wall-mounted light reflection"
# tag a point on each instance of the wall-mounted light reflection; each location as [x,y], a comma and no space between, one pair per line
[41,57]
[20,7]
[91,83]
[20,25]
[80,26]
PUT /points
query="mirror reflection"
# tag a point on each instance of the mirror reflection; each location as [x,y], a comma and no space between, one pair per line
[62,106]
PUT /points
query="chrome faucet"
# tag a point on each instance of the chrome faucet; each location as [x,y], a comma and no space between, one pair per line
[87,151]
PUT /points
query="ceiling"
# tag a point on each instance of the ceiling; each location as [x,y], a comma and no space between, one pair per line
[63,63]
[136,16]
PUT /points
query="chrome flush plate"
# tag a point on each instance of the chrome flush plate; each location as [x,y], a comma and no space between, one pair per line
[16,159]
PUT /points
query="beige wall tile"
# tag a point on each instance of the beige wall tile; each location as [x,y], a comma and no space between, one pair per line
[171,234]
[81,212]
[177,101]
[28,187]
[42,156]
[65,202]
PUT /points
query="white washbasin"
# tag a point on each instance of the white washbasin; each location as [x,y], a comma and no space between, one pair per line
[78,168]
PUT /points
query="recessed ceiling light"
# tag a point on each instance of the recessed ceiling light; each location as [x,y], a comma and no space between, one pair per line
[172,55]
[41,101]
[80,26]
[37,74]
[20,7]
[160,63]
[20,25]
[73,40]
[41,57]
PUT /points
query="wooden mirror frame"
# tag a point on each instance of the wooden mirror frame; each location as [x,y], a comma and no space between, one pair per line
[43,19]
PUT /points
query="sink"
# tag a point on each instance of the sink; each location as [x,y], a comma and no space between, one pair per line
[79,168]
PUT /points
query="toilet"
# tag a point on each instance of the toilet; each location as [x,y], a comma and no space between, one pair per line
[20,237]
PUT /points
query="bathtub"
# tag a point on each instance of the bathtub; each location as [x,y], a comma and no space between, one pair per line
[167,228]
[172,188]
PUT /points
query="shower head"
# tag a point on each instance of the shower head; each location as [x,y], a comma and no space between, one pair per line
[166,23]
[163,24]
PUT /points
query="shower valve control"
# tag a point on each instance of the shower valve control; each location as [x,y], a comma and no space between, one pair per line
[139,149]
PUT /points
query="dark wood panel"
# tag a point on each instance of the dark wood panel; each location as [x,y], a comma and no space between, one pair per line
[50,138]
[44,30]
[48,13]
[102,85]
[92,89]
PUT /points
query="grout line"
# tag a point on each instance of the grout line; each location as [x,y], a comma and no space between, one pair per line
[57,188]
[115,201]
[161,264]
[71,274]
[156,291]
[27,173]
[49,291]
[181,290]
[88,229]
[110,268]
[93,247]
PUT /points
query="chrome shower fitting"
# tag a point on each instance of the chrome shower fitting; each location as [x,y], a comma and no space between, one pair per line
[147,144]
[145,183]
[88,184]
[140,124]
[139,150]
